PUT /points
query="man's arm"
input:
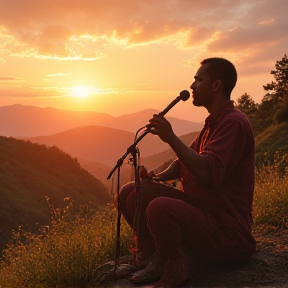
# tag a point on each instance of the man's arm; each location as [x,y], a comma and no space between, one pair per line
[171,173]
[193,162]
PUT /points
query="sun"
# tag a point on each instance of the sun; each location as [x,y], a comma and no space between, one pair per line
[80,91]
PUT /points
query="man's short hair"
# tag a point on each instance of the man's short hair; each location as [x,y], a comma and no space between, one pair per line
[223,70]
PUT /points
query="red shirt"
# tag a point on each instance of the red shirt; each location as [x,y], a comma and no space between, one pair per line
[227,142]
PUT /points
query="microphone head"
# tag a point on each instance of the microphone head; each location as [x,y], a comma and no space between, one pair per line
[184,95]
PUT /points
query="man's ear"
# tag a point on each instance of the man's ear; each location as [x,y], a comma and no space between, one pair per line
[216,85]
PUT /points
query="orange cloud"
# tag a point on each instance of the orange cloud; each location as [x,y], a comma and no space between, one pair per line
[266,22]
[81,29]
[49,28]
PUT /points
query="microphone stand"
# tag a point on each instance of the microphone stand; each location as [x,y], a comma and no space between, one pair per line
[133,150]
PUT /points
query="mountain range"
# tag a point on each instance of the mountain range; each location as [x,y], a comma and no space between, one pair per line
[30,121]
[100,144]
[93,138]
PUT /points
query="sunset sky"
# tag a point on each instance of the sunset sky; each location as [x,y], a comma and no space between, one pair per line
[123,56]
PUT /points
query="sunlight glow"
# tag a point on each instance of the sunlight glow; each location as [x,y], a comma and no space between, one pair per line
[80,91]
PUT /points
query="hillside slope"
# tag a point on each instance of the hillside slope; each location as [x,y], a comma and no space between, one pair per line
[101,172]
[274,138]
[29,173]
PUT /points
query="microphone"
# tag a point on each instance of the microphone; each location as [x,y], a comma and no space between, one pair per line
[184,95]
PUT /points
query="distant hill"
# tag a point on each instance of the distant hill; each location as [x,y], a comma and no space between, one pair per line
[29,121]
[155,161]
[141,118]
[100,144]
[31,172]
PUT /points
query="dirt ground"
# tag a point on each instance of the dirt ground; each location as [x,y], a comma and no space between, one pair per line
[267,268]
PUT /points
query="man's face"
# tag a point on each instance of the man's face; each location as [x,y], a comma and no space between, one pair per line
[202,87]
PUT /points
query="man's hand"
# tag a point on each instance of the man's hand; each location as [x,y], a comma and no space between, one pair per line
[143,174]
[161,127]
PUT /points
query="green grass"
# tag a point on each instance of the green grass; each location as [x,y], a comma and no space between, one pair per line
[66,253]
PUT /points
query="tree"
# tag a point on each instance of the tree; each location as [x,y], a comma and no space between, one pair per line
[279,89]
[273,108]
[246,104]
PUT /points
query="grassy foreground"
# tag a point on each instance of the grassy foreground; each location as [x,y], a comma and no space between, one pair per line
[271,195]
[66,253]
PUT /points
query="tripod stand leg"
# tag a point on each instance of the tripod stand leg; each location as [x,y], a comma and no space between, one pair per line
[117,244]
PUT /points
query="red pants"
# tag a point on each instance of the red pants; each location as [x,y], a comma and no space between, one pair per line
[167,222]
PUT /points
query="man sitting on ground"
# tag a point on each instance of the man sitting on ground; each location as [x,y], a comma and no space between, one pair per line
[212,215]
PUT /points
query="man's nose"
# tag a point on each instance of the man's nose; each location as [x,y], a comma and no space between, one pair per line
[192,86]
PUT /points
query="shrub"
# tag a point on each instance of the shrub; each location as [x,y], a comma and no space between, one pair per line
[281,116]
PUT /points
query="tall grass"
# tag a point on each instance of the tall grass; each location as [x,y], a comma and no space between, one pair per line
[66,253]
[271,195]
